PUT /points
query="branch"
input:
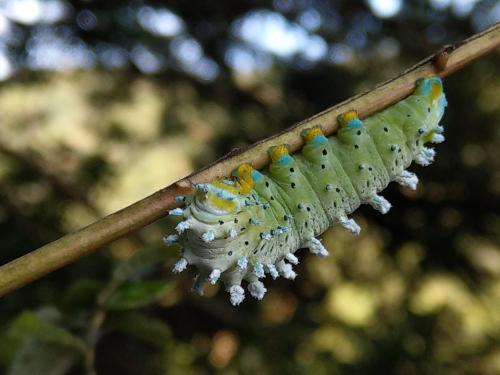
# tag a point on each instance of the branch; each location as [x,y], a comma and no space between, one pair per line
[73,246]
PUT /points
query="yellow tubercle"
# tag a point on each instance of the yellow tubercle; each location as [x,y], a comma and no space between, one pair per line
[436,91]
[222,204]
[244,176]
[436,88]
[219,202]
[278,151]
[427,137]
[344,118]
[309,134]
[229,188]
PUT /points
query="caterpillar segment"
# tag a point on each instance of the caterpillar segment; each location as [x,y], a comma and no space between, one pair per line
[248,227]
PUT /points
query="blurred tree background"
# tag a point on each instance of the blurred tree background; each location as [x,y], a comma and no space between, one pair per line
[105,102]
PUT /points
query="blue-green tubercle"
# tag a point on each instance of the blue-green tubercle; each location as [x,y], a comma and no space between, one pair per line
[248,227]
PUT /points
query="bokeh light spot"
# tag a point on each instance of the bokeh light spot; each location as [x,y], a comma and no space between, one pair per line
[385,8]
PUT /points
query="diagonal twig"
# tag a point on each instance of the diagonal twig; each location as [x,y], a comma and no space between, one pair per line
[73,246]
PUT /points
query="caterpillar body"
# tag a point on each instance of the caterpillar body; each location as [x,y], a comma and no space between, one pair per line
[250,225]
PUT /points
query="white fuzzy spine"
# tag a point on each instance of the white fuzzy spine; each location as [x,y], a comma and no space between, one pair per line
[379,203]
[407,179]
[170,239]
[208,236]
[292,258]
[257,289]
[180,265]
[350,225]
[214,276]
[236,294]
[316,247]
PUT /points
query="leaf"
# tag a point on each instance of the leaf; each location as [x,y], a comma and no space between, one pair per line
[28,324]
[139,263]
[8,348]
[142,327]
[138,294]
[38,346]
[36,359]
[81,294]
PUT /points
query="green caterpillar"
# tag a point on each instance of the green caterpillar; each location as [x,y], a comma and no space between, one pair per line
[250,225]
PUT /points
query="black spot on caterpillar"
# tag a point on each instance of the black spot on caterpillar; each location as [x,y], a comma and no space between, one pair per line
[298,197]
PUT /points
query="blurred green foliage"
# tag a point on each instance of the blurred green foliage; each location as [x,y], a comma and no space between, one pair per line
[418,292]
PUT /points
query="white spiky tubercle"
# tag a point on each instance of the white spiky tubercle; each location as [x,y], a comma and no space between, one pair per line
[229,236]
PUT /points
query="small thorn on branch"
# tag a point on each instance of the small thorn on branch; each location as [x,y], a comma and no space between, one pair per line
[440,59]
